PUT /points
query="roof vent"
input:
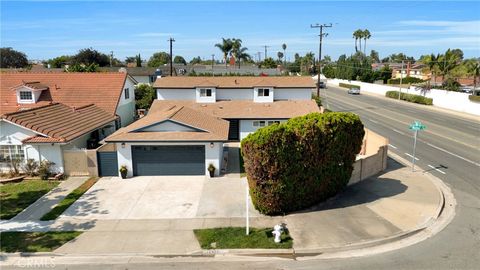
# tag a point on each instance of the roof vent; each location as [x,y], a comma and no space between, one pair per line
[221,107]
[204,105]
[236,81]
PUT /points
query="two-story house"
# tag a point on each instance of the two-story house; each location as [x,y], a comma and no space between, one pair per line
[193,117]
[44,114]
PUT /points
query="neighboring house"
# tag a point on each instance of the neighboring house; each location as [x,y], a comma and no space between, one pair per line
[185,129]
[146,75]
[60,111]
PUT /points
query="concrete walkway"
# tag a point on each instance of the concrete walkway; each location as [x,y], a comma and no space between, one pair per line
[46,203]
[233,167]
[389,205]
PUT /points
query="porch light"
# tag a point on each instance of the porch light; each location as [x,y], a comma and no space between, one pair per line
[123,145]
[211,145]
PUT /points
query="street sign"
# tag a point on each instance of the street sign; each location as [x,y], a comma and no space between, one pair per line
[415,126]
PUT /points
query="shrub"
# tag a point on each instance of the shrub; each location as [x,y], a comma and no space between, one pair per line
[349,86]
[407,80]
[410,97]
[44,169]
[30,167]
[301,162]
[317,99]
[474,98]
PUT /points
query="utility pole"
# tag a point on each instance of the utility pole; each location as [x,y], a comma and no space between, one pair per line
[213,63]
[259,56]
[401,76]
[111,58]
[321,26]
[265,55]
[171,40]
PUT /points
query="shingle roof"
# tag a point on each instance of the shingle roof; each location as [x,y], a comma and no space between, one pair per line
[208,128]
[235,82]
[72,89]
[59,122]
[246,109]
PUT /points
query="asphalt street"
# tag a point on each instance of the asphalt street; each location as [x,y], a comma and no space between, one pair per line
[449,148]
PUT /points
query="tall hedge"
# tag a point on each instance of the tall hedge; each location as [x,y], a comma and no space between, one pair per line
[301,162]
[410,97]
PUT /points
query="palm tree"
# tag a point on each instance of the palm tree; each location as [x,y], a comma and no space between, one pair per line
[432,65]
[447,62]
[473,69]
[366,35]
[358,34]
[284,47]
[280,56]
[226,48]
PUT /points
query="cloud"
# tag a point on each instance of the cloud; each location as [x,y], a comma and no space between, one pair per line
[470,27]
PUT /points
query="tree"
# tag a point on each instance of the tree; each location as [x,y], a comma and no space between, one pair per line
[158,59]
[447,62]
[82,68]
[60,61]
[138,60]
[280,56]
[196,60]
[130,59]
[225,47]
[242,55]
[397,58]
[358,35]
[374,56]
[238,52]
[366,35]
[473,69]
[144,96]
[90,56]
[284,47]
[431,61]
[179,60]
[268,63]
[11,58]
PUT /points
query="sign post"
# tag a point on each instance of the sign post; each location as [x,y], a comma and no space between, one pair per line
[415,126]
[247,230]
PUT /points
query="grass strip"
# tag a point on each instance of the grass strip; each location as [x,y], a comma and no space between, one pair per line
[34,241]
[14,197]
[69,200]
[235,238]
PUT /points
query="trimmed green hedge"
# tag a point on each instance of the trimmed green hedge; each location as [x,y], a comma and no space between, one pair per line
[298,163]
[410,98]
[406,80]
[474,98]
[349,86]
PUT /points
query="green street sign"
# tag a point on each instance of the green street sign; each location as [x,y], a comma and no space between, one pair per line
[417,126]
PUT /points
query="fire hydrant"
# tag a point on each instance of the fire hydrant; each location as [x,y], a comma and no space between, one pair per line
[277,233]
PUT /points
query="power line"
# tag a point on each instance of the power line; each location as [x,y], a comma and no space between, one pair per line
[321,35]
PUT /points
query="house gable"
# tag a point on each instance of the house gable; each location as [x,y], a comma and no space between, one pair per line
[168,126]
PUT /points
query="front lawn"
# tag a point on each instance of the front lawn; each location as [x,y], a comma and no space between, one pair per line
[14,197]
[34,241]
[234,237]
[69,199]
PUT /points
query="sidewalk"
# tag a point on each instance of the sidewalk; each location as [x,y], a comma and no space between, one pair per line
[384,208]
[46,203]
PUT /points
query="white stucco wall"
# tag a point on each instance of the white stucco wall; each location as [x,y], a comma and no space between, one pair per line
[234,94]
[210,99]
[126,107]
[213,155]
[246,126]
[46,151]
[293,94]
[171,94]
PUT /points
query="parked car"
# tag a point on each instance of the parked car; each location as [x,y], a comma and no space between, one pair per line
[466,89]
[354,91]
[323,85]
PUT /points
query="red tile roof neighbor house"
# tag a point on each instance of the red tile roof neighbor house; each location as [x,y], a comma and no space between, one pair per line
[72,89]
[59,123]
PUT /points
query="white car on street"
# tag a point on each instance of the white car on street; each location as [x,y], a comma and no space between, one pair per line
[354,91]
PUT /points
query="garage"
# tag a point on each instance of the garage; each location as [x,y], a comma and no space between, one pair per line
[168,160]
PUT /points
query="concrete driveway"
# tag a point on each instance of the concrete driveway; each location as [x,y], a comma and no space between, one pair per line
[161,197]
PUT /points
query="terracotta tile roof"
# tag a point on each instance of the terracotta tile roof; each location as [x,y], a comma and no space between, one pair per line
[72,89]
[246,109]
[209,128]
[235,82]
[59,122]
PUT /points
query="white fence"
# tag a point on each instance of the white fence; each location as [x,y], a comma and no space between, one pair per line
[444,99]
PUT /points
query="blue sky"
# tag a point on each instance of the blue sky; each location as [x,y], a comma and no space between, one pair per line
[47,29]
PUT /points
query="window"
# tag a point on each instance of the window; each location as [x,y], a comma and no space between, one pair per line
[205,92]
[263,92]
[127,93]
[25,95]
[273,122]
[258,123]
[9,152]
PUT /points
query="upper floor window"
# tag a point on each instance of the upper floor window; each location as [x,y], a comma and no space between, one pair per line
[26,95]
[205,92]
[263,92]
[127,93]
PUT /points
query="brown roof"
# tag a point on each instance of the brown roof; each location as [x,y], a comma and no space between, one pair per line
[208,128]
[235,82]
[246,109]
[59,122]
[72,89]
